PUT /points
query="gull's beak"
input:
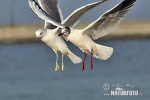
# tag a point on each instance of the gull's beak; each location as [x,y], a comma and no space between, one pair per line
[61,34]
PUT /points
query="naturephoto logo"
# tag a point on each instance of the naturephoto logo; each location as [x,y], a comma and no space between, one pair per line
[120,90]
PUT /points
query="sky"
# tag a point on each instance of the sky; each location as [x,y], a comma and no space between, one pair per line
[18,11]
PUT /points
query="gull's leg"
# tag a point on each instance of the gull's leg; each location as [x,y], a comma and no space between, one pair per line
[91,61]
[63,67]
[83,61]
[57,66]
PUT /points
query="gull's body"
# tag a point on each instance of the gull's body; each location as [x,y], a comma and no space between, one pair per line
[58,45]
[50,36]
[87,45]
[55,42]
[84,39]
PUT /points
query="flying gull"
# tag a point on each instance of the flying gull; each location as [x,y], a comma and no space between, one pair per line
[99,28]
[50,37]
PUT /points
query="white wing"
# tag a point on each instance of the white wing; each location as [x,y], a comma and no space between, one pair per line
[74,17]
[42,14]
[51,7]
[109,20]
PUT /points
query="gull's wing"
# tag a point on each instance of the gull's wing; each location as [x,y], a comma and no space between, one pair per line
[74,17]
[109,20]
[52,9]
[42,14]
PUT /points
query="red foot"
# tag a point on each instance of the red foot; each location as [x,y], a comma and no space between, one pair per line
[83,66]
[83,62]
[91,61]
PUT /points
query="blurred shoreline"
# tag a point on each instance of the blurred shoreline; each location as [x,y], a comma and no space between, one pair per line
[126,30]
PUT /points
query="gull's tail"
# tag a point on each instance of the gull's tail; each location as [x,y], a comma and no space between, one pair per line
[75,59]
[103,52]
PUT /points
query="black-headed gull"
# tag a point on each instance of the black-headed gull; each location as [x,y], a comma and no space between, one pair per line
[100,27]
[50,36]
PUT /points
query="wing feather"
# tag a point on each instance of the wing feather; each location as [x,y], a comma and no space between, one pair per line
[109,20]
[51,7]
[42,14]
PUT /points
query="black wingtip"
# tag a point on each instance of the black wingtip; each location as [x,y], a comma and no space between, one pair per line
[123,5]
[126,3]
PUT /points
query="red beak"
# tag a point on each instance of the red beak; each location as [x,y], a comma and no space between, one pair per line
[61,34]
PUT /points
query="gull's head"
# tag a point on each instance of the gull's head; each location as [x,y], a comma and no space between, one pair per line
[66,31]
[40,33]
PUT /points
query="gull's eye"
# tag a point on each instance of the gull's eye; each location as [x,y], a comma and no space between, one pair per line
[40,33]
[66,30]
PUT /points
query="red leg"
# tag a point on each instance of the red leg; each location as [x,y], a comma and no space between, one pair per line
[91,62]
[83,62]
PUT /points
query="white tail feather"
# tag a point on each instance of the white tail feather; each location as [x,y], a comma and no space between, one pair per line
[75,59]
[103,52]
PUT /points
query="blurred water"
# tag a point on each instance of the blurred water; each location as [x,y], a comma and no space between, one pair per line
[27,73]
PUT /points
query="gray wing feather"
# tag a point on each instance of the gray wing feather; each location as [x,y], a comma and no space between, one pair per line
[42,14]
[52,9]
[109,20]
[75,16]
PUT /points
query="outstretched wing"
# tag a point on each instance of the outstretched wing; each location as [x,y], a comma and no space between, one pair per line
[109,20]
[74,17]
[42,14]
[52,9]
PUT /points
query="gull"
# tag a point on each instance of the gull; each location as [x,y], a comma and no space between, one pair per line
[51,36]
[84,38]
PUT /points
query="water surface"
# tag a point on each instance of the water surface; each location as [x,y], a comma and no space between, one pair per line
[27,72]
